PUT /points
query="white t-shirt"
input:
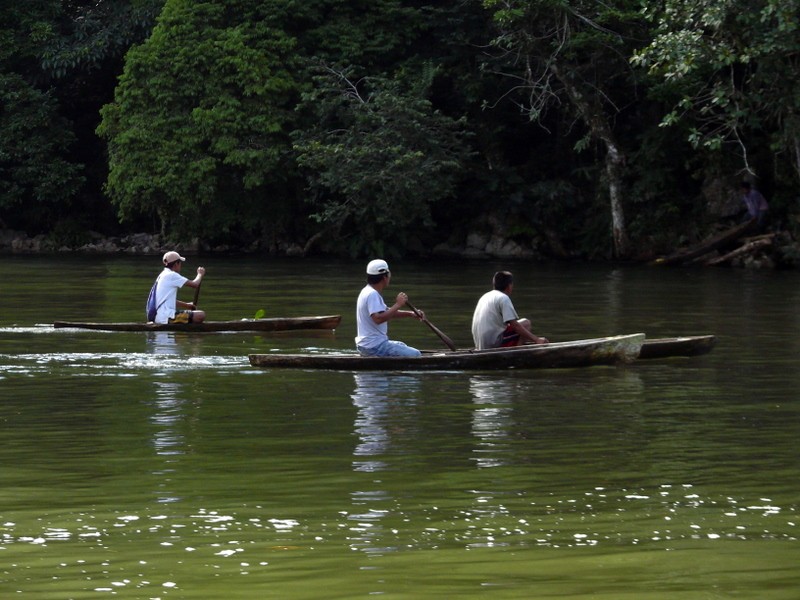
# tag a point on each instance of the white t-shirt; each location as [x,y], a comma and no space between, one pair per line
[492,314]
[169,282]
[370,302]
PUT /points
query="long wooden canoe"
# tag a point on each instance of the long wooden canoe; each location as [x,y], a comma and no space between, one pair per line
[580,353]
[694,345]
[272,324]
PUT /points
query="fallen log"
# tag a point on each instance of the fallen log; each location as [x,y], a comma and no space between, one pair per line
[706,246]
[745,249]
[755,238]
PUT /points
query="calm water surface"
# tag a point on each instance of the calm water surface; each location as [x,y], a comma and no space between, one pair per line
[164,466]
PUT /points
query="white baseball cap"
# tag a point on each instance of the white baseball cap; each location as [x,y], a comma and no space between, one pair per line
[171,257]
[377,267]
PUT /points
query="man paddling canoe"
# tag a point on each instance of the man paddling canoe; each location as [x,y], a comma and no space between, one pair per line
[168,308]
[372,315]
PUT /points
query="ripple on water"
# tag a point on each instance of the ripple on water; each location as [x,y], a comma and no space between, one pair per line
[119,364]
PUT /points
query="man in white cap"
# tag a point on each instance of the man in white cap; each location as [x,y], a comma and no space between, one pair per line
[166,292]
[372,315]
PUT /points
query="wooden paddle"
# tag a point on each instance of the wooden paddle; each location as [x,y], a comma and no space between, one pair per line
[448,342]
[197,294]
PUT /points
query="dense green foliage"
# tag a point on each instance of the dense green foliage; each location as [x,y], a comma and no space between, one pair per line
[379,158]
[36,172]
[732,70]
[58,65]
[573,53]
[386,127]
[198,131]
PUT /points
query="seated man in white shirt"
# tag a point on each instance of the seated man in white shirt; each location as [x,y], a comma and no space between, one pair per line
[495,323]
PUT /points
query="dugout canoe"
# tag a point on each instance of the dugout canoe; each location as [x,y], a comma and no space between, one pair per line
[271,324]
[579,353]
[694,345]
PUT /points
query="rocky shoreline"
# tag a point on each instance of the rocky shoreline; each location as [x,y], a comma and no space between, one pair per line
[17,242]
[785,253]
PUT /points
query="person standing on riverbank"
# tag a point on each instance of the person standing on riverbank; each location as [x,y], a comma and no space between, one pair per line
[495,322]
[168,308]
[755,203]
[372,315]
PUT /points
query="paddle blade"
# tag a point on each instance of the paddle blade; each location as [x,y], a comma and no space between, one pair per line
[447,341]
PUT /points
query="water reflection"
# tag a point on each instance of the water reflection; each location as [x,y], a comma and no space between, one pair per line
[170,343]
[384,402]
[492,419]
[169,413]
[161,342]
[615,295]
[168,442]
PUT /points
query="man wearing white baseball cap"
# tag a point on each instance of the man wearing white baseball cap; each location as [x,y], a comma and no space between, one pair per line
[165,293]
[372,315]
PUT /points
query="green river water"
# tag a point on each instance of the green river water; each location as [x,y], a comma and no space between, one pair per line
[163,466]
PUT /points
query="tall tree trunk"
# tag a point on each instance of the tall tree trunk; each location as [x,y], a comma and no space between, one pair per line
[615,164]
[615,158]
[162,217]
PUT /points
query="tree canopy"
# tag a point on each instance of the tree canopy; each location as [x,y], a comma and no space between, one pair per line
[732,69]
[389,126]
[378,156]
[35,166]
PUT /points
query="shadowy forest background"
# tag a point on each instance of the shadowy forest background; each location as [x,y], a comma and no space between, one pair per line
[392,127]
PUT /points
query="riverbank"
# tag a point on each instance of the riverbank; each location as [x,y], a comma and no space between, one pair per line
[17,242]
[782,252]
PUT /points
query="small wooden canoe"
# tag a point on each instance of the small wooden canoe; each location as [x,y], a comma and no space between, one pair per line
[694,345]
[273,324]
[580,353]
